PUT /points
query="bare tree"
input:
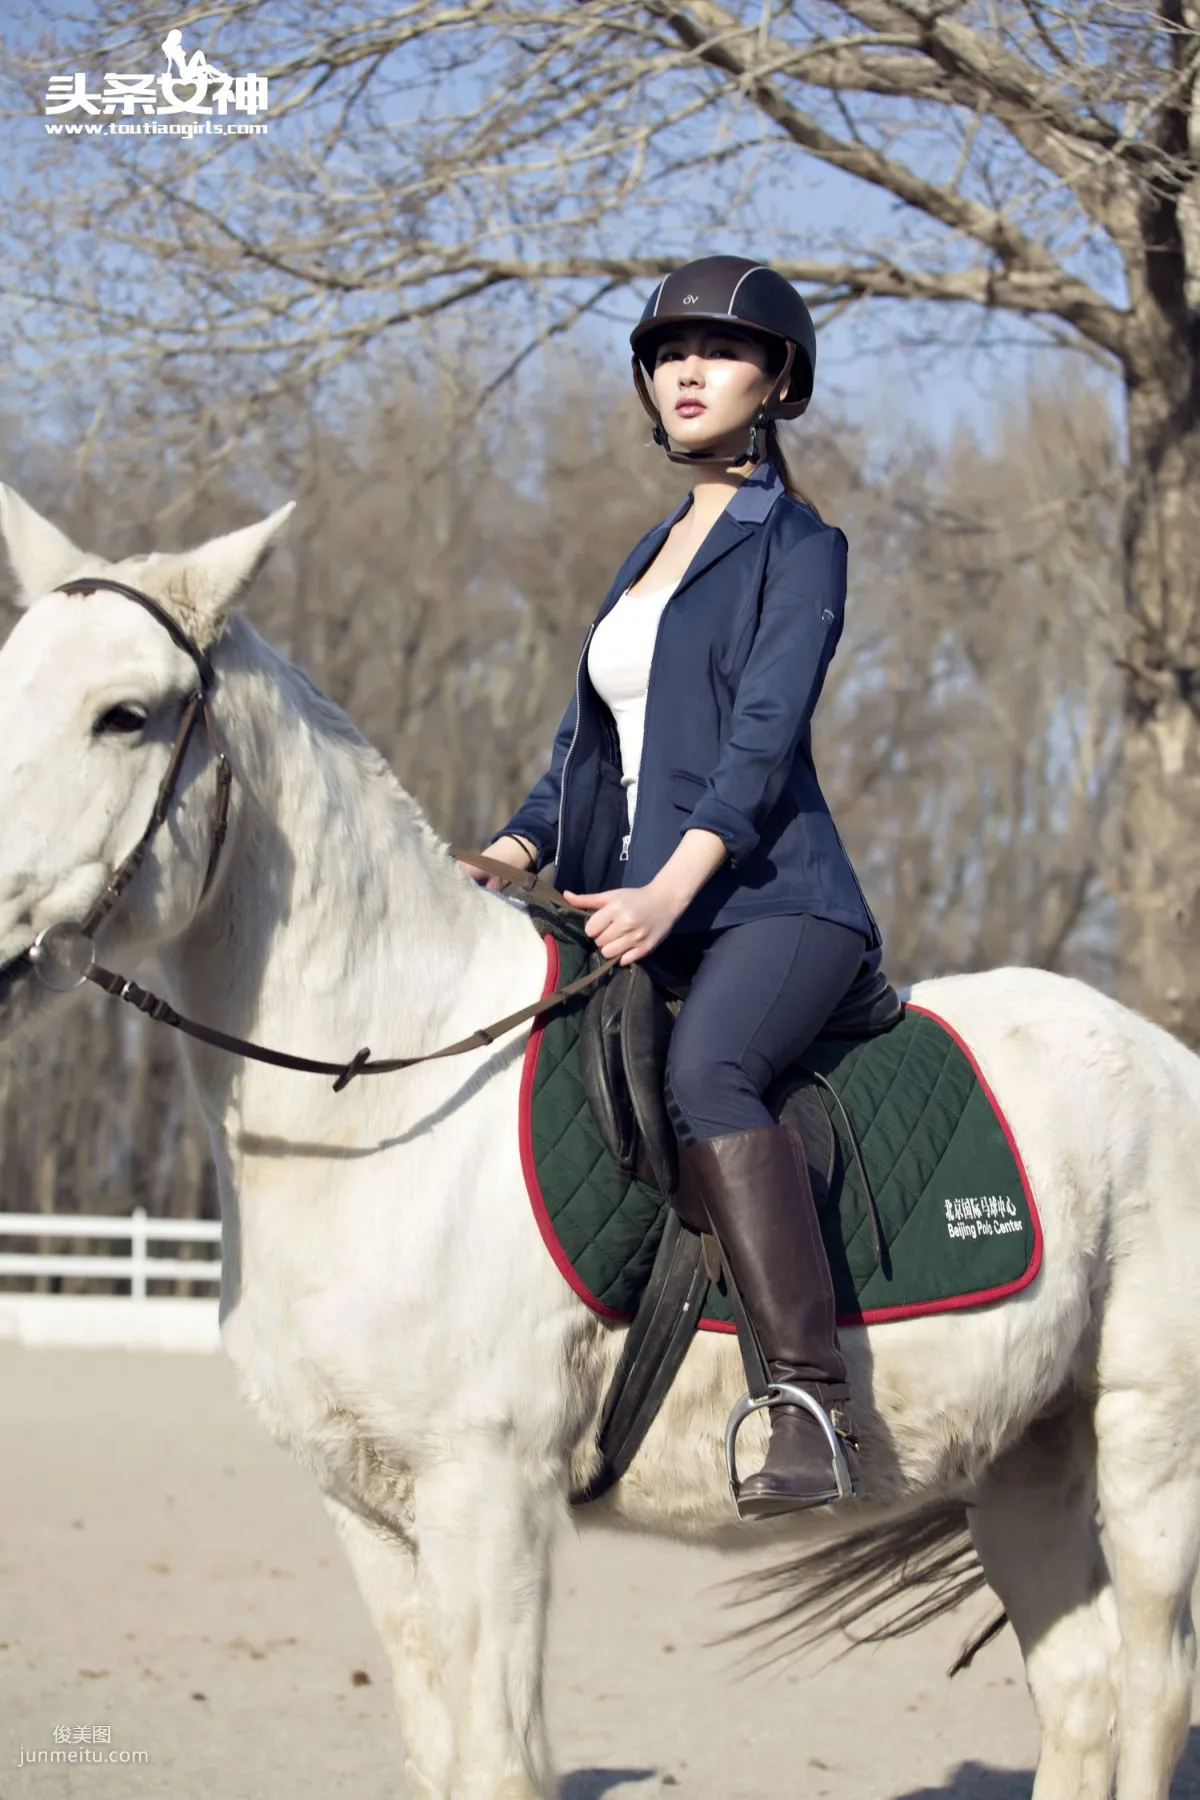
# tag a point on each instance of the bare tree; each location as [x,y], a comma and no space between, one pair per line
[967,741]
[448,629]
[972,732]
[1021,159]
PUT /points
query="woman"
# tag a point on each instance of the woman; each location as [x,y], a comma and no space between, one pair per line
[682,809]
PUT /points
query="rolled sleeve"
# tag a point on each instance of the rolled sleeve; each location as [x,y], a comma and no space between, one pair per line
[537,816]
[800,622]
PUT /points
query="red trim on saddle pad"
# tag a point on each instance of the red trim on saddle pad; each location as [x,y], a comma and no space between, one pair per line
[981,1296]
[874,1315]
[562,1261]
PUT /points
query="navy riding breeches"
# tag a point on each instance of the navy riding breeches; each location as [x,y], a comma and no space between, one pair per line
[760,993]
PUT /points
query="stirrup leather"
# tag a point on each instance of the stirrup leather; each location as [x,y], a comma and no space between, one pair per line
[786,1393]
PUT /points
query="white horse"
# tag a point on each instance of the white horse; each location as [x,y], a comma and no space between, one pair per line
[389,1307]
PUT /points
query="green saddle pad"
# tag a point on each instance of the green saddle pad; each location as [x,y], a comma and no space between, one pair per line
[959,1223]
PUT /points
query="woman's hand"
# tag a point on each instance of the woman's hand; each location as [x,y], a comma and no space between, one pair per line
[628,922]
[506,849]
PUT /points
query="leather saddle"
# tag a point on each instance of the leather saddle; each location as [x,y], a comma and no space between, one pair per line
[625,1034]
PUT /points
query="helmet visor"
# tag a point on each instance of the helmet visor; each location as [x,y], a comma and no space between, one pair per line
[657,331]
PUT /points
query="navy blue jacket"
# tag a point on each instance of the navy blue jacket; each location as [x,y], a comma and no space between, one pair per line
[739,662]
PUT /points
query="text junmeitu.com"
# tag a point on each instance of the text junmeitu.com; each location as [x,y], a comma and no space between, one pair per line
[86,1754]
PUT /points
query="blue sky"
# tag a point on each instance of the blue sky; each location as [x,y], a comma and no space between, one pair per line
[868,367]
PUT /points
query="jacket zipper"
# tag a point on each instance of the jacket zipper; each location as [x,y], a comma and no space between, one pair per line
[613,740]
[562,783]
[627,839]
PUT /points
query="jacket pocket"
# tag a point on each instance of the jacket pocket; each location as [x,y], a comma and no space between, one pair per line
[686,789]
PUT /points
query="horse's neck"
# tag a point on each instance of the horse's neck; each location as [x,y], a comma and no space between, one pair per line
[339,921]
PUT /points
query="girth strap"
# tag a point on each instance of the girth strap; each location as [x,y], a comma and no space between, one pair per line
[655,1346]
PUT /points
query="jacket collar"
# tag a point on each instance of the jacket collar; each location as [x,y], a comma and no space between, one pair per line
[751,503]
[757,494]
[748,507]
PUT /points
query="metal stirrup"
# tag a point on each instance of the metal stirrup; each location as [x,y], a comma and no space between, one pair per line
[785,1393]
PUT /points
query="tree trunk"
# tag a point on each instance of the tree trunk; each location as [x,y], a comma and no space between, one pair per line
[1159,915]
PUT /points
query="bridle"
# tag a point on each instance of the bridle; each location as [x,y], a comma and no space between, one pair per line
[63,954]
[195,707]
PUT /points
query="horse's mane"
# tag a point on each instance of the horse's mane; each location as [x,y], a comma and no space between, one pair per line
[327,719]
[251,654]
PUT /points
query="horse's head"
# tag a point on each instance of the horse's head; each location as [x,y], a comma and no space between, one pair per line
[92,690]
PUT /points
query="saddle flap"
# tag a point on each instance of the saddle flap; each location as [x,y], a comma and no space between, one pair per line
[802,1108]
[603,1074]
[624,1036]
[646,1025]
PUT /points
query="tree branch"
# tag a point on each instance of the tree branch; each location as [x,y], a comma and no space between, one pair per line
[1028,269]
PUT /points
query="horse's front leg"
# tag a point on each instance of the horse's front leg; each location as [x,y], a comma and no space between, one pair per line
[386,1569]
[461,1608]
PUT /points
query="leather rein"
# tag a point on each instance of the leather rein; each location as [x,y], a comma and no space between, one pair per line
[72,940]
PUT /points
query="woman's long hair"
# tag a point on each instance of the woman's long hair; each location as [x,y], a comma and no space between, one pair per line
[776,356]
[775,454]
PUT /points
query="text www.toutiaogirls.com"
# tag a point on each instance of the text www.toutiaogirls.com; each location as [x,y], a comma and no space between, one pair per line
[156,128]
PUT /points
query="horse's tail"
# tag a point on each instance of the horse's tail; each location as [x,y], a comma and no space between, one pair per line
[877,1581]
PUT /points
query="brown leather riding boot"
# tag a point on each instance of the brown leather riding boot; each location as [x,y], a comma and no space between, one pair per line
[755,1189]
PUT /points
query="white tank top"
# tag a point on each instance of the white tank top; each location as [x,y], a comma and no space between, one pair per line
[619,666]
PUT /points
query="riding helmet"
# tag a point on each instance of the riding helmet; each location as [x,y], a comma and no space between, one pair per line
[755,299]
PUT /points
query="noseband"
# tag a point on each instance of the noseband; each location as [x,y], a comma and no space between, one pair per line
[64,954]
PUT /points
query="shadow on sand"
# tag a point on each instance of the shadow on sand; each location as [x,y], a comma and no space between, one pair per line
[971,1781]
[594,1784]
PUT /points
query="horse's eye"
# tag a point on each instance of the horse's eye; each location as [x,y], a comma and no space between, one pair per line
[123,720]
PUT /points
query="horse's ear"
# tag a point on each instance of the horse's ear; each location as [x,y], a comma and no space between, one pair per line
[40,555]
[204,584]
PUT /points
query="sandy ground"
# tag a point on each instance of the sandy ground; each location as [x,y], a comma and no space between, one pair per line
[168,1575]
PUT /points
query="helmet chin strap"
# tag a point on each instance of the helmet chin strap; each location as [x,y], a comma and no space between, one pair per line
[749,455]
[758,423]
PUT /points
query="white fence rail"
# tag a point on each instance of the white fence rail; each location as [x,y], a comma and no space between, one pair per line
[135,1321]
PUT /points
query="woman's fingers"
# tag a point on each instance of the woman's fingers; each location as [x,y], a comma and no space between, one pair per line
[471,869]
[619,943]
